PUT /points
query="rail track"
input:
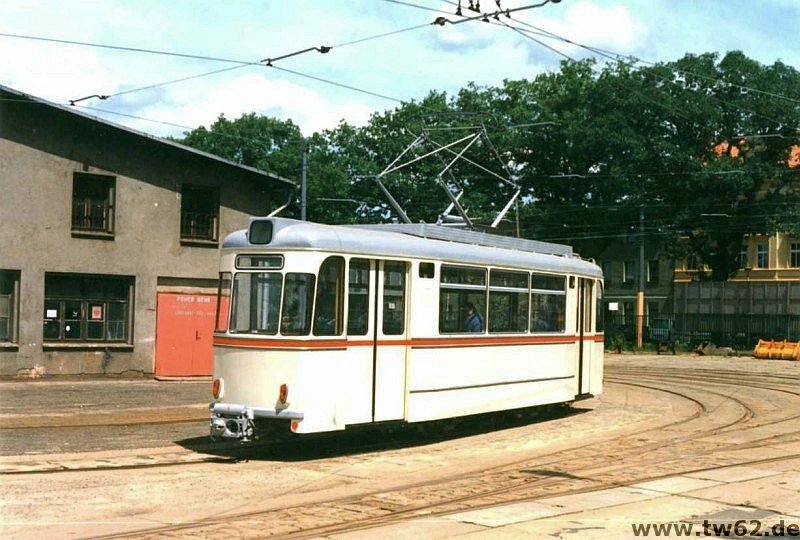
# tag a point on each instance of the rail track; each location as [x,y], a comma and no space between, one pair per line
[681,446]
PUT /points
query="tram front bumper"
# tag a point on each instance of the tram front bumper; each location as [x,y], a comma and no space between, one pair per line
[235,421]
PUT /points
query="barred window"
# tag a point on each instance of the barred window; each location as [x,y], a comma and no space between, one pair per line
[199,213]
[87,308]
[93,203]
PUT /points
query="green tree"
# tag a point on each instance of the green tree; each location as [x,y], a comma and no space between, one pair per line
[701,143]
[261,142]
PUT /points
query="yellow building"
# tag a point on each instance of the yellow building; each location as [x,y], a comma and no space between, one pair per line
[767,282]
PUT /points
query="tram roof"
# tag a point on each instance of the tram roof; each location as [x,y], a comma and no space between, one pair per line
[369,241]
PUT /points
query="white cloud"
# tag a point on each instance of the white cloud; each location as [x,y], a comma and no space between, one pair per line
[464,39]
[53,73]
[588,23]
[59,73]
[613,26]
[196,104]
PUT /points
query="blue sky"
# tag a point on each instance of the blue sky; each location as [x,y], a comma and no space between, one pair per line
[405,66]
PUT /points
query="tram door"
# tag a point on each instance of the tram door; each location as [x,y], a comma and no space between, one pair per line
[389,351]
[585,341]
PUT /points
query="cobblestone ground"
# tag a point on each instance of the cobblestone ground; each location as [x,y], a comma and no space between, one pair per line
[672,439]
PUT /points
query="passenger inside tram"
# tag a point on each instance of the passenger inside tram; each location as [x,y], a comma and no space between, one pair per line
[474,322]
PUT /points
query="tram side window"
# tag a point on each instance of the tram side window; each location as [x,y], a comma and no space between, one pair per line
[256,303]
[223,302]
[329,307]
[508,301]
[599,311]
[460,287]
[298,294]
[548,303]
[358,297]
[587,314]
[394,294]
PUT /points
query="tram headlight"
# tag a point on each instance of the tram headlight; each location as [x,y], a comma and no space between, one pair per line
[283,394]
[217,388]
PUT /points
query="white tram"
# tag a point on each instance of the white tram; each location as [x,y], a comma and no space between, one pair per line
[332,326]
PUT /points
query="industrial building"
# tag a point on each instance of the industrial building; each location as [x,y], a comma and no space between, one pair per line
[110,242]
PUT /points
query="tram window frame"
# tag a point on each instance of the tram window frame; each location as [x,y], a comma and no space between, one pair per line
[390,326]
[459,292]
[222,319]
[249,313]
[599,318]
[427,270]
[542,298]
[355,289]
[332,326]
[588,291]
[305,328]
[273,262]
[504,297]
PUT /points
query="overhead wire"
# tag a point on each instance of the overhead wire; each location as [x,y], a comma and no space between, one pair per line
[120,48]
[266,62]
[617,56]
[631,63]
[320,79]
[241,63]
[338,84]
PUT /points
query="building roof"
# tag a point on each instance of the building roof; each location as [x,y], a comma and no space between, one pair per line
[21,97]
[290,234]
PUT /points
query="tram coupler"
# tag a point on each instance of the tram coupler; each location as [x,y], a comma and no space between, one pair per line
[229,421]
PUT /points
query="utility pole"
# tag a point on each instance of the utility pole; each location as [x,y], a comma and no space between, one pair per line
[304,162]
[640,293]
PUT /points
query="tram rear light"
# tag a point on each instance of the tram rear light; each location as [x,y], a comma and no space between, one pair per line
[216,388]
[283,395]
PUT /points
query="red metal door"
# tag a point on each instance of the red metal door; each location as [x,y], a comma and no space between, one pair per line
[184,332]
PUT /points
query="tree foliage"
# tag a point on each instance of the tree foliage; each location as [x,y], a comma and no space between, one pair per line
[702,144]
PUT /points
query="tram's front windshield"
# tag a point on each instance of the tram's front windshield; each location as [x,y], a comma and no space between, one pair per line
[256,306]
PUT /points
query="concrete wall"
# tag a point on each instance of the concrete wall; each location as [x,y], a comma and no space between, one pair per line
[36,238]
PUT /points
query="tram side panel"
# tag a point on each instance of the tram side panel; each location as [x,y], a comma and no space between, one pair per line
[596,381]
[463,374]
[471,379]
